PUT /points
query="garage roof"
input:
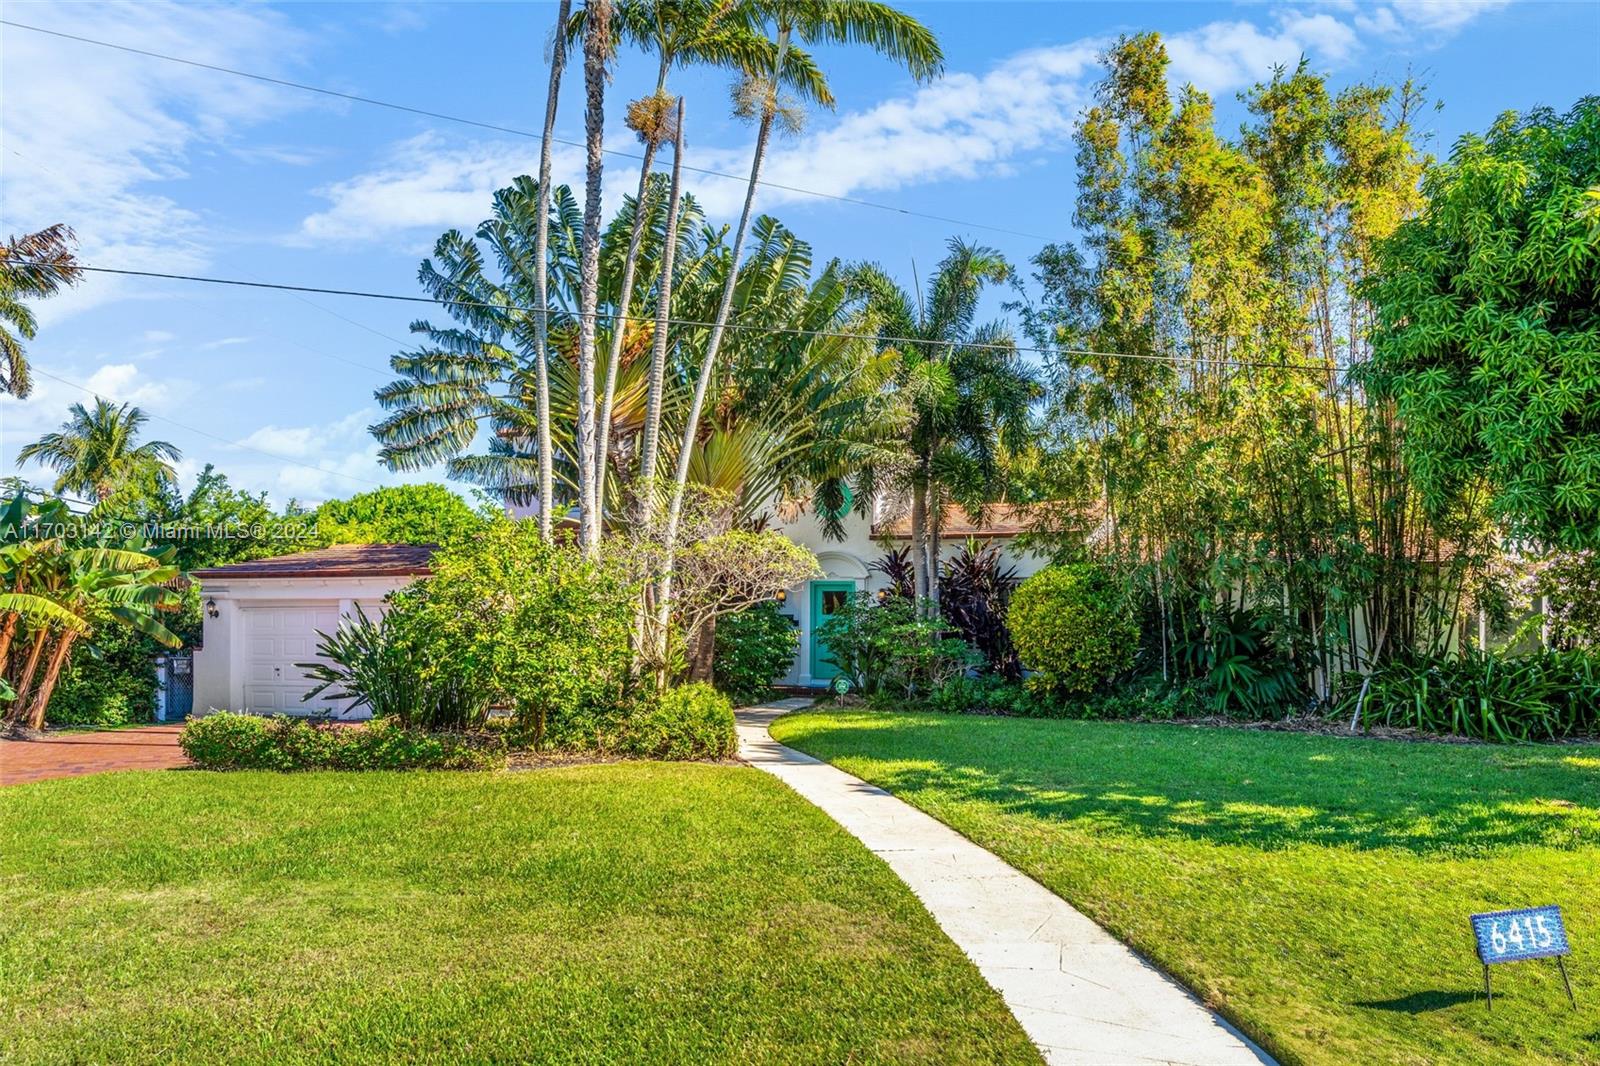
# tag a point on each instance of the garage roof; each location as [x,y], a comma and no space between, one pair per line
[341,560]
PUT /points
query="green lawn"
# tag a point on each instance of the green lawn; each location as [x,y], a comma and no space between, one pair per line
[1316,890]
[634,912]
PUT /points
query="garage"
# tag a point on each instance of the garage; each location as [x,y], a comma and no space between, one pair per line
[262,619]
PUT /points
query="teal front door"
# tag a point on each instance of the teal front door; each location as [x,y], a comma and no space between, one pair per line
[826,598]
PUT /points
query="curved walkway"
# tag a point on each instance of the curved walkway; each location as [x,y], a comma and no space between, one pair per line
[1082,995]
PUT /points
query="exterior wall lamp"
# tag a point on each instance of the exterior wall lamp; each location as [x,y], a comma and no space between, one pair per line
[211,609]
[883,597]
[782,596]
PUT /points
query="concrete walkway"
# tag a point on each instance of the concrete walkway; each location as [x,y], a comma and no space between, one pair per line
[1082,996]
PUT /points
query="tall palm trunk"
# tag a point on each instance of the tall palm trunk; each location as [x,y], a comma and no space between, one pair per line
[919,547]
[541,285]
[935,523]
[650,447]
[619,324]
[596,29]
[41,699]
[691,425]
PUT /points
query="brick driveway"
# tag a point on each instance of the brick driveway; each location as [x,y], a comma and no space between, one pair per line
[68,754]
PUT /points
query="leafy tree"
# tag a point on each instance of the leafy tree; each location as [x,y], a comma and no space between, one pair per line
[1487,337]
[35,265]
[399,514]
[97,455]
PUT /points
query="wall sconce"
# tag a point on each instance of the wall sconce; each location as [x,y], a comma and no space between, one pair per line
[883,597]
[782,596]
[211,609]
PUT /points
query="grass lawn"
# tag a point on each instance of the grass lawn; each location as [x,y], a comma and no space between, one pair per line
[635,912]
[1314,889]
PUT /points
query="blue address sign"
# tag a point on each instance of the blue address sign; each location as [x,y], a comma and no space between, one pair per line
[1529,933]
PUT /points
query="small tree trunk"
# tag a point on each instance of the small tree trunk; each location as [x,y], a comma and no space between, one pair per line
[541,291]
[7,632]
[25,683]
[691,425]
[596,29]
[702,656]
[919,547]
[649,447]
[42,699]
[935,521]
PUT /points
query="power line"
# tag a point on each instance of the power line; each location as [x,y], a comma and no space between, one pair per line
[223,440]
[696,323]
[441,116]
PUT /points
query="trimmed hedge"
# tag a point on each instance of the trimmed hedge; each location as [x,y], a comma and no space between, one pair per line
[1072,627]
[227,741]
[689,722]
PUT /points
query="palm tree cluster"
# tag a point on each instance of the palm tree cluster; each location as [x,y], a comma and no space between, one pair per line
[595,354]
[58,585]
[96,453]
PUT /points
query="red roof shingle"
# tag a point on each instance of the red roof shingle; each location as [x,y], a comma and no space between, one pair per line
[341,560]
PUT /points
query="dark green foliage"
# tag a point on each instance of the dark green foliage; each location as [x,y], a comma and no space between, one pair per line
[693,721]
[1240,661]
[373,664]
[974,594]
[113,684]
[1544,696]
[226,741]
[1073,628]
[754,647]
[530,623]
[1148,699]
[399,514]
[886,650]
[1488,326]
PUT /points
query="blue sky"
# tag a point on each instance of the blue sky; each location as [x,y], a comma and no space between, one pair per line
[170,168]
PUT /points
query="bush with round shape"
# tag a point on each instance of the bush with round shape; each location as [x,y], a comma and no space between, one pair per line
[754,647]
[692,721]
[1072,628]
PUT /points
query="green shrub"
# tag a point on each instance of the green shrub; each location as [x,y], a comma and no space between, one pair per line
[1503,698]
[534,624]
[227,741]
[110,681]
[754,647]
[373,664]
[1073,628]
[887,651]
[692,721]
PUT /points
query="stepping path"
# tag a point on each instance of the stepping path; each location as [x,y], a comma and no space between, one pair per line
[68,754]
[1079,993]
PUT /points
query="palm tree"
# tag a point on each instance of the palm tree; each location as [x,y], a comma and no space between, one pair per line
[596,48]
[689,31]
[541,246]
[36,265]
[96,454]
[968,389]
[887,31]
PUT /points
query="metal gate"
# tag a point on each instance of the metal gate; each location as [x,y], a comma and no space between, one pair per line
[175,675]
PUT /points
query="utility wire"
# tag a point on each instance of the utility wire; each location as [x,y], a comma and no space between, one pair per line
[424,113]
[693,323]
[223,440]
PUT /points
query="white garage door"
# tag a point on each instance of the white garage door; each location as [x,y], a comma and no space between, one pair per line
[275,639]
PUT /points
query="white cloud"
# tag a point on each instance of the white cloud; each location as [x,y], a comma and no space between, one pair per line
[429,184]
[1445,15]
[89,130]
[158,336]
[224,342]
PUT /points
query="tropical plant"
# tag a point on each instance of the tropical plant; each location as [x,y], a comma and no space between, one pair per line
[897,568]
[969,392]
[531,622]
[96,453]
[861,22]
[1072,628]
[891,650]
[36,265]
[976,592]
[371,663]
[1486,325]
[59,587]
[540,290]
[692,721]
[754,647]
[1246,671]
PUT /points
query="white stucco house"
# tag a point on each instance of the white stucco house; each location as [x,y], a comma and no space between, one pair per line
[261,618]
